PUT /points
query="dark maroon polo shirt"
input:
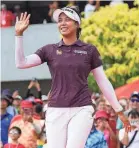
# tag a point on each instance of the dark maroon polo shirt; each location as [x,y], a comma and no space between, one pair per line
[69,67]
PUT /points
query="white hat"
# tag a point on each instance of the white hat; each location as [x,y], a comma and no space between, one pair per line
[69,12]
[44,98]
[18,97]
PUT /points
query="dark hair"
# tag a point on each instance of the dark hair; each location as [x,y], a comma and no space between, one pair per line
[133,113]
[16,128]
[77,10]
[38,108]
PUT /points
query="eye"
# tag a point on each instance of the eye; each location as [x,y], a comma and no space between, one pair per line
[68,19]
[59,20]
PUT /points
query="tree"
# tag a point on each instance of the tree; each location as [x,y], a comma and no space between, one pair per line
[114,30]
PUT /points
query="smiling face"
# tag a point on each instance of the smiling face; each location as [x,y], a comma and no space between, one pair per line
[14,134]
[67,26]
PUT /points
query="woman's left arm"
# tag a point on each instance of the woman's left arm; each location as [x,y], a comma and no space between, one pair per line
[108,91]
[106,88]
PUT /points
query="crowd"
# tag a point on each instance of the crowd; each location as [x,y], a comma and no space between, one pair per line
[23,121]
[8,18]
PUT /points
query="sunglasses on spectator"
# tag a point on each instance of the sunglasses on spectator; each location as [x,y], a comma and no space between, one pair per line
[134,100]
[14,132]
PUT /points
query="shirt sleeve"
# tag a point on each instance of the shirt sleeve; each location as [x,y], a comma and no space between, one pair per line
[95,58]
[43,53]
[121,134]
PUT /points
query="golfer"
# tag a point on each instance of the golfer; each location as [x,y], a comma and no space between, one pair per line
[69,116]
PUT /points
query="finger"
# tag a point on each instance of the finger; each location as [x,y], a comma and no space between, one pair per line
[17,19]
[21,17]
[28,17]
[25,15]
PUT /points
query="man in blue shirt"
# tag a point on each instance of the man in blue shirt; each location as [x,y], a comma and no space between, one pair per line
[5,119]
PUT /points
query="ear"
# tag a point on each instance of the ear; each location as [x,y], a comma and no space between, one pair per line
[77,24]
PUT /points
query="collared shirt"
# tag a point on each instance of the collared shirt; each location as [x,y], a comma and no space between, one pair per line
[96,140]
[5,123]
[69,67]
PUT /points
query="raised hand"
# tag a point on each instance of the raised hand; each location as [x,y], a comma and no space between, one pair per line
[125,121]
[22,23]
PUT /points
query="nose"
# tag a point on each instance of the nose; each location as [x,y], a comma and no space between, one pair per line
[63,22]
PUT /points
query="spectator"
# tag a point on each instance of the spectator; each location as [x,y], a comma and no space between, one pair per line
[5,119]
[37,111]
[1,145]
[96,138]
[6,17]
[112,122]
[71,3]
[100,103]
[108,132]
[38,116]
[128,138]
[30,127]
[45,102]
[10,109]
[15,93]
[52,7]
[90,7]
[14,133]
[116,2]
[17,11]
[133,104]
[124,103]
[16,103]
[33,83]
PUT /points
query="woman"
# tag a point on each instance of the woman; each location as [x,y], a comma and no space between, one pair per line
[128,138]
[69,115]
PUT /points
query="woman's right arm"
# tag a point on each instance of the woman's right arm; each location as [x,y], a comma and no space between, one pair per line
[21,61]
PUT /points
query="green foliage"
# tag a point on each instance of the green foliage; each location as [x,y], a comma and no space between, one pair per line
[115,32]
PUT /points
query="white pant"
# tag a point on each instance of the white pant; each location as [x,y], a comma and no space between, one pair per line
[68,127]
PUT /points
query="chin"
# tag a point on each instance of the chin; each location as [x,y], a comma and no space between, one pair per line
[65,34]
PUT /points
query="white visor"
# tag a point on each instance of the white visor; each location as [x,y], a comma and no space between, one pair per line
[69,12]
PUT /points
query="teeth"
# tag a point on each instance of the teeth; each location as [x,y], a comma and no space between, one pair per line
[63,29]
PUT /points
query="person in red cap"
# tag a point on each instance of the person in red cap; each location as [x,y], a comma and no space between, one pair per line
[102,123]
[29,126]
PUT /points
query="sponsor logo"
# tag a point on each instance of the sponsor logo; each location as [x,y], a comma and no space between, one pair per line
[59,52]
[80,51]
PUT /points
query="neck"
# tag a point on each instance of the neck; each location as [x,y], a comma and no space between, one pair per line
[3,111]
[69,40]
[15,141]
